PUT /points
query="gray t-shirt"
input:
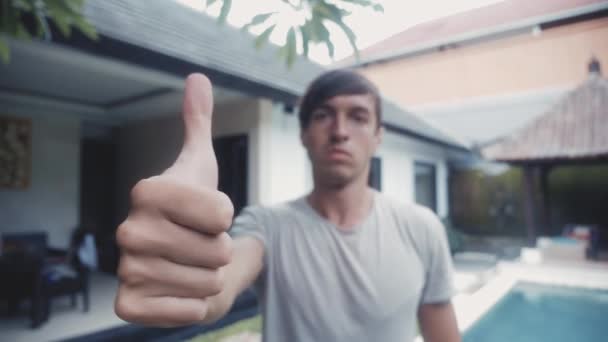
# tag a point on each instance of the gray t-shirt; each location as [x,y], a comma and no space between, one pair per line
[320,283]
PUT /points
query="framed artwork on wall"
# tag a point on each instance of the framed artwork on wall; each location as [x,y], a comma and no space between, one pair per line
[15,152]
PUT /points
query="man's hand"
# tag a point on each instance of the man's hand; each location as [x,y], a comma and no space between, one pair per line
[174,242]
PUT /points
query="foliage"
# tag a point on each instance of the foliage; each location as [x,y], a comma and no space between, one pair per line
[315,28]
[482,203]
[64,14]
[250,325]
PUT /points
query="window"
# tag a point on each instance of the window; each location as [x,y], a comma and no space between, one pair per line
[425,180]
[375,177]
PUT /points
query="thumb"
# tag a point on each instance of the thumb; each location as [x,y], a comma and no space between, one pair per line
[196,163]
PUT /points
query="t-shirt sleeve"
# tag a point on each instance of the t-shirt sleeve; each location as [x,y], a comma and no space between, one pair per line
[439,282]
[248,223]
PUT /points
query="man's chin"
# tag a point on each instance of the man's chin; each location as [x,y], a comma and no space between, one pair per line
[338,177]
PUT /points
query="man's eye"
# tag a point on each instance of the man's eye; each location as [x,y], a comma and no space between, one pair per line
[319,115]
[359,117]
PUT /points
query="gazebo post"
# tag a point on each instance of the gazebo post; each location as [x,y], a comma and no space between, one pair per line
[544,200]
[529,203]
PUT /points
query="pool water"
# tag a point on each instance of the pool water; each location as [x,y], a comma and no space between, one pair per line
[532,312]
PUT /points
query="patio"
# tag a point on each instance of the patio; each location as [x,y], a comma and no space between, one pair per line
[67,322]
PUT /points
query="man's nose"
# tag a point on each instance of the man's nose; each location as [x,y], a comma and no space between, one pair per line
[339,129]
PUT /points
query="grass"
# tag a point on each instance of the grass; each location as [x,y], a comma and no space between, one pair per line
[253,324]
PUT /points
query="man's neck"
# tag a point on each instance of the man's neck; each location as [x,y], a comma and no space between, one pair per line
[346,206]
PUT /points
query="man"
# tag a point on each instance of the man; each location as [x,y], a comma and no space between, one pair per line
[343,263]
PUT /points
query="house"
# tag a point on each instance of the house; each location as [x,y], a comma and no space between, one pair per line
[104,114]
[481,74]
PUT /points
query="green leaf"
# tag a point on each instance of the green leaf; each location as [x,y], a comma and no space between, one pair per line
[305,32]
[224,11]
[63,24]
[5,52]
[334,11]
[336,17]
[22,32]
[378,8]
[264,36]
[86,28]
[41,26]
[352,38]
[330,48]
[320,10]
[209,3]
[61,15]
[258,19]
[291,47]
[296,7]
[367,3]
[359,2]
[321,32]
[11,17]
[74,6]
[323,36]
[65,8]
[24,5]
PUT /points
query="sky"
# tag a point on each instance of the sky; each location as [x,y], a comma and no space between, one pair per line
[370,27]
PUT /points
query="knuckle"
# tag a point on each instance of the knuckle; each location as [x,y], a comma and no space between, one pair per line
[216,283]
[224,249]
[225,211]
[126,235]
[196,314]
[129,272]
[141,191]
[125,308]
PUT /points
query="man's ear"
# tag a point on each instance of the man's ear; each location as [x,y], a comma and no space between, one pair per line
[379,136]
[303,138]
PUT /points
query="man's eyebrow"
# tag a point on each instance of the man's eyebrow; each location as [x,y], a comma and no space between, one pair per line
[325,106]
[360,109]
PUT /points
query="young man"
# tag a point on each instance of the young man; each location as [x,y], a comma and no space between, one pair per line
[343,263]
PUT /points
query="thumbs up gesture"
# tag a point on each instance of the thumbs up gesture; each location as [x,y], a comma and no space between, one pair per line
[174,243]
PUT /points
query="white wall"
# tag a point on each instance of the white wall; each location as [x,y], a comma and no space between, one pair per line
[398,154]
[51,202]
[285,168]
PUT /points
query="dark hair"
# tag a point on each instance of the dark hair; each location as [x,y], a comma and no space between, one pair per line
[334,83]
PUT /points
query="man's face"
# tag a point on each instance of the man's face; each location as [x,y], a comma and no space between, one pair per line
[341,138]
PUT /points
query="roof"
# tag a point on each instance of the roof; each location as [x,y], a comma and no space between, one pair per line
[492,20]
[572,130]
[167,36]
[182,33]
[481,120]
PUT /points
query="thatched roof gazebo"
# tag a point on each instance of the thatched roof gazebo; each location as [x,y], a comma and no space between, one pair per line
[574,131]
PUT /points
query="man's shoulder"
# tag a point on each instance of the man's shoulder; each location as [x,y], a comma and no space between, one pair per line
[416,219]
[405,209]
[281,209]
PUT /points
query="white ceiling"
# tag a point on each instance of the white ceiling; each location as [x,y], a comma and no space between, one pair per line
[97,89]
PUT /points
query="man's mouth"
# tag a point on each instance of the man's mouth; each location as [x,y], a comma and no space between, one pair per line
[338,154]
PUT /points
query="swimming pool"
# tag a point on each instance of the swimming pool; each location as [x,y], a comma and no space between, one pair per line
[532,312]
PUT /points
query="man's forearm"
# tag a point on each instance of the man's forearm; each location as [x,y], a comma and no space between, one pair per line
[240,273]
[438,322]
[219,306]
